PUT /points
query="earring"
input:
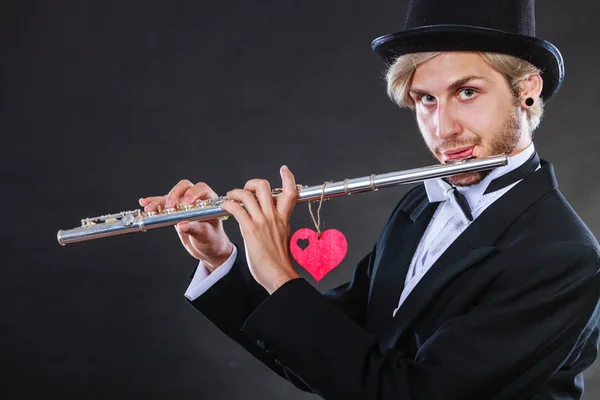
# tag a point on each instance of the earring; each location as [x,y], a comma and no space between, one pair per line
[529,102]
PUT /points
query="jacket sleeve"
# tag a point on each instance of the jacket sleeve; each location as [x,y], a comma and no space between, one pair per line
[507,346]
[232,299]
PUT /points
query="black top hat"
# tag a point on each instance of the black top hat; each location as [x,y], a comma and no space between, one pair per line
[501,26]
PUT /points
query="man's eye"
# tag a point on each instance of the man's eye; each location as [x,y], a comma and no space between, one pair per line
[427,99]
[466,94]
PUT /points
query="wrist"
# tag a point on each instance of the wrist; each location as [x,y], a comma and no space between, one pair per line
[213,262]
[279,281]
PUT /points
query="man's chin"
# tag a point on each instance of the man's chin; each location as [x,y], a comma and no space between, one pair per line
[468,179]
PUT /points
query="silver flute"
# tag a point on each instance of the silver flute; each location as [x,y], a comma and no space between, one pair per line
[140,221]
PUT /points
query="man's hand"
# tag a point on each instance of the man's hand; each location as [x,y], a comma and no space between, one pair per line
[264,225]
[204,240]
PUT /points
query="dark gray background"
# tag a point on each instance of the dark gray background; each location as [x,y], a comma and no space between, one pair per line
[105,102]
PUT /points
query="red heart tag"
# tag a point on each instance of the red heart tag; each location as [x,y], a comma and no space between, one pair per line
[320,256]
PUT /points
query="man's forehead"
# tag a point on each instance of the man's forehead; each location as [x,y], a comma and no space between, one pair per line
[450,67]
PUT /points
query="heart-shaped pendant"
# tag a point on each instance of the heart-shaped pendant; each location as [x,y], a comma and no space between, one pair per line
[318,256]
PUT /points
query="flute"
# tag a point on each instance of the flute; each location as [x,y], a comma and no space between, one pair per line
[140,221]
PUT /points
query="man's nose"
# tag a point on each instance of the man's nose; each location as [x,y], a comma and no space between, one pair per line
[447,123]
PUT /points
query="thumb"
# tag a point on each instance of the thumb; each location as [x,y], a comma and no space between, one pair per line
[195,229]
[183,227]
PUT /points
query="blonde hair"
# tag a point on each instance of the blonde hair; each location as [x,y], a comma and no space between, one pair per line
[515,70]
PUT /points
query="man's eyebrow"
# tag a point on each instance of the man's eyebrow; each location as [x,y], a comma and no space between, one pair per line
[453,86]
[462,82]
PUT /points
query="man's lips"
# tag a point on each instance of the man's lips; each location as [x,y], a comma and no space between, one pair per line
[458,154]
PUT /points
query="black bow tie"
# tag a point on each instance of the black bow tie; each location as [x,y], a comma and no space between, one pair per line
[499,183]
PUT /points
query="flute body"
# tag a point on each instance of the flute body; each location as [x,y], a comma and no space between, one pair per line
[140,221]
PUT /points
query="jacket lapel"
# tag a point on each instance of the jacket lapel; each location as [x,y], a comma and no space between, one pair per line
[457,258]
[401,236]
[473,245]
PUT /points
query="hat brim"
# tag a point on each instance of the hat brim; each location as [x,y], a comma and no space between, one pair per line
[539,52]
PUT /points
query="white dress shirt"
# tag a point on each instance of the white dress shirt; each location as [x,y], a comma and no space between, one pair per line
[445,226]
[203,279]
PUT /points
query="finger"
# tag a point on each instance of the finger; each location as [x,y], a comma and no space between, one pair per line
[250,205]
[240,214]
[262,188]
[177,191]
[197,229]
[144,201]
[286,201]
[154,203]
[199,191]
[182,231]
[185,229]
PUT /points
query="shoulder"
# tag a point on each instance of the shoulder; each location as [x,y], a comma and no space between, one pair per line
[554,218]
[536,258]
[552,222]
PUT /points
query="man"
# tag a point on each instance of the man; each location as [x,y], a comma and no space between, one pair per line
[481,286]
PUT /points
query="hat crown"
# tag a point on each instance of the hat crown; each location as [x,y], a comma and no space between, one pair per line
[514,16]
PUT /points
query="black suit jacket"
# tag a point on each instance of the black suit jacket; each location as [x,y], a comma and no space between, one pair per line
[509,311]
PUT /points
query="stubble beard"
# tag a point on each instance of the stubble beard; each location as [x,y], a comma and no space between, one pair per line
[504,143]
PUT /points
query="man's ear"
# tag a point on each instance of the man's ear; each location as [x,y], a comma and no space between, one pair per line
[531,88]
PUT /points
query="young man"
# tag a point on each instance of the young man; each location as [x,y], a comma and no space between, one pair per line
[481,286]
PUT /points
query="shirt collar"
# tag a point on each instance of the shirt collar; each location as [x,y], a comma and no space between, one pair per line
[437,188]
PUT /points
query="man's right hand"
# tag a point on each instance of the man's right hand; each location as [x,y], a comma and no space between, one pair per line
[204,240]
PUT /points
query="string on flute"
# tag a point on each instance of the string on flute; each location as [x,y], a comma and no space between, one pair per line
[318,221]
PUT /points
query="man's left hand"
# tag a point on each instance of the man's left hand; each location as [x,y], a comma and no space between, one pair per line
[264,225]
